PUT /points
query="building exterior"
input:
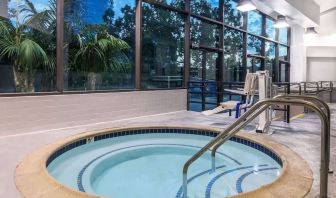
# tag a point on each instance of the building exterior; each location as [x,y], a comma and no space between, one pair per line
[158,45]
[3,8]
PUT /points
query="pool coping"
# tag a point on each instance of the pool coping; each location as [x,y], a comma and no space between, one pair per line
[33,180]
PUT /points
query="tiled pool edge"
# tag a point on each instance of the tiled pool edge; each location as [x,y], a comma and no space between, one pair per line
[33,180]
[165,130]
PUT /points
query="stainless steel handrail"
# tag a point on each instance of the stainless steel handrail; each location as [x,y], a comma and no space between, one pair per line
[324,106]
[244,120]
[314,99]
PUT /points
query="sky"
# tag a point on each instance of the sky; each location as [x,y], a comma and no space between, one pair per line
[94,8]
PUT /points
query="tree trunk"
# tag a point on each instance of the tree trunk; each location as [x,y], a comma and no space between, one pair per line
[24,82]
[93,81]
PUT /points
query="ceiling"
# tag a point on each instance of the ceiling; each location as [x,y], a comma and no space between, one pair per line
[326,5]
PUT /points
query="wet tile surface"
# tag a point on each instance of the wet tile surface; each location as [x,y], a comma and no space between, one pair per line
[301,135]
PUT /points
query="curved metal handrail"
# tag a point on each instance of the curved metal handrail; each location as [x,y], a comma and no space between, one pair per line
[313,99]
[244,120]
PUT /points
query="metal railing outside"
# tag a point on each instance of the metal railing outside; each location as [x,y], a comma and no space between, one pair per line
[205,94]
[252,113]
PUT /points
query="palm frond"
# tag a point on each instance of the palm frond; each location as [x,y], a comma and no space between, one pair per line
[8,49]
[41,21]
[6,28]
[30,7]
[31,54]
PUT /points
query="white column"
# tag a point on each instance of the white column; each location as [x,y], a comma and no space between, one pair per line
[4,8]
[298,57]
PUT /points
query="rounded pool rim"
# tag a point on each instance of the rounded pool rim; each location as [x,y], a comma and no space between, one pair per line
[32,178]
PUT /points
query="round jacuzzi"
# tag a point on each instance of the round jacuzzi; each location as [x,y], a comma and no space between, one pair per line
[147,163]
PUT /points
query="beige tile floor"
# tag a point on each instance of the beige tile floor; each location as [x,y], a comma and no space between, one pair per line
[301,135]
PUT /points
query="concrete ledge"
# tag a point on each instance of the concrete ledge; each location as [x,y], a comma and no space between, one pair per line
[33,180]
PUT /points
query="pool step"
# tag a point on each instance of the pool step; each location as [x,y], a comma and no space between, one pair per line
[223,182]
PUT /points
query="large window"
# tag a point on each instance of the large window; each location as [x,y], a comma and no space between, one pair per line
[270,30]
[254,45]
[232,16]
[254,24]
[162,48]
[283,53]
[174,3]
[253,65]
[233,56]
[99,41]
[28,46]
[270,56]
[207,8]
[105,46]
[204,33]
[283,36]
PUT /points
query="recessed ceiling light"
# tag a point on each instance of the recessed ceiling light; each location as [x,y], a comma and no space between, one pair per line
[281,22]
[246,5]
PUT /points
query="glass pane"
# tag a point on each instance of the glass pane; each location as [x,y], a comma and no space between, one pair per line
[195,106]
[270,56]
[174,3]
[233,54]
[207,8]
[283,35]
[257,65]
[211,61]
[100,40]
[249,65]
[28,50]
[253,65]
[253,45]
[198,59]
[254,23]
[232,16]
[283,72]
[203,33]
[162,48]
[283,53]
[195,65]
[270,30]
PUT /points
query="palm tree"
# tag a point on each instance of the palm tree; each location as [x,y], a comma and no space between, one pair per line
[24,54]
[100,52]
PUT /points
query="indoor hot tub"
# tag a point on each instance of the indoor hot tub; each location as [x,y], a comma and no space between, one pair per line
[147,162]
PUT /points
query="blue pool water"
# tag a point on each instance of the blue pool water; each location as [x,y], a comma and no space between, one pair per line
[150,166]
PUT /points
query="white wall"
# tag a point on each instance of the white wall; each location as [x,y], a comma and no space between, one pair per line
[326,31]
[321,63]
[4,8]
[321,50]
[321,69]
[57,111]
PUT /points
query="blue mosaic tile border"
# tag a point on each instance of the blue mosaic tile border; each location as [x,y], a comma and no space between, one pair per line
[214,179]
[65,149]
[242,177]
[158,131]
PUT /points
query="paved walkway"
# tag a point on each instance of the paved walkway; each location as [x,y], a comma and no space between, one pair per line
[301,135]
